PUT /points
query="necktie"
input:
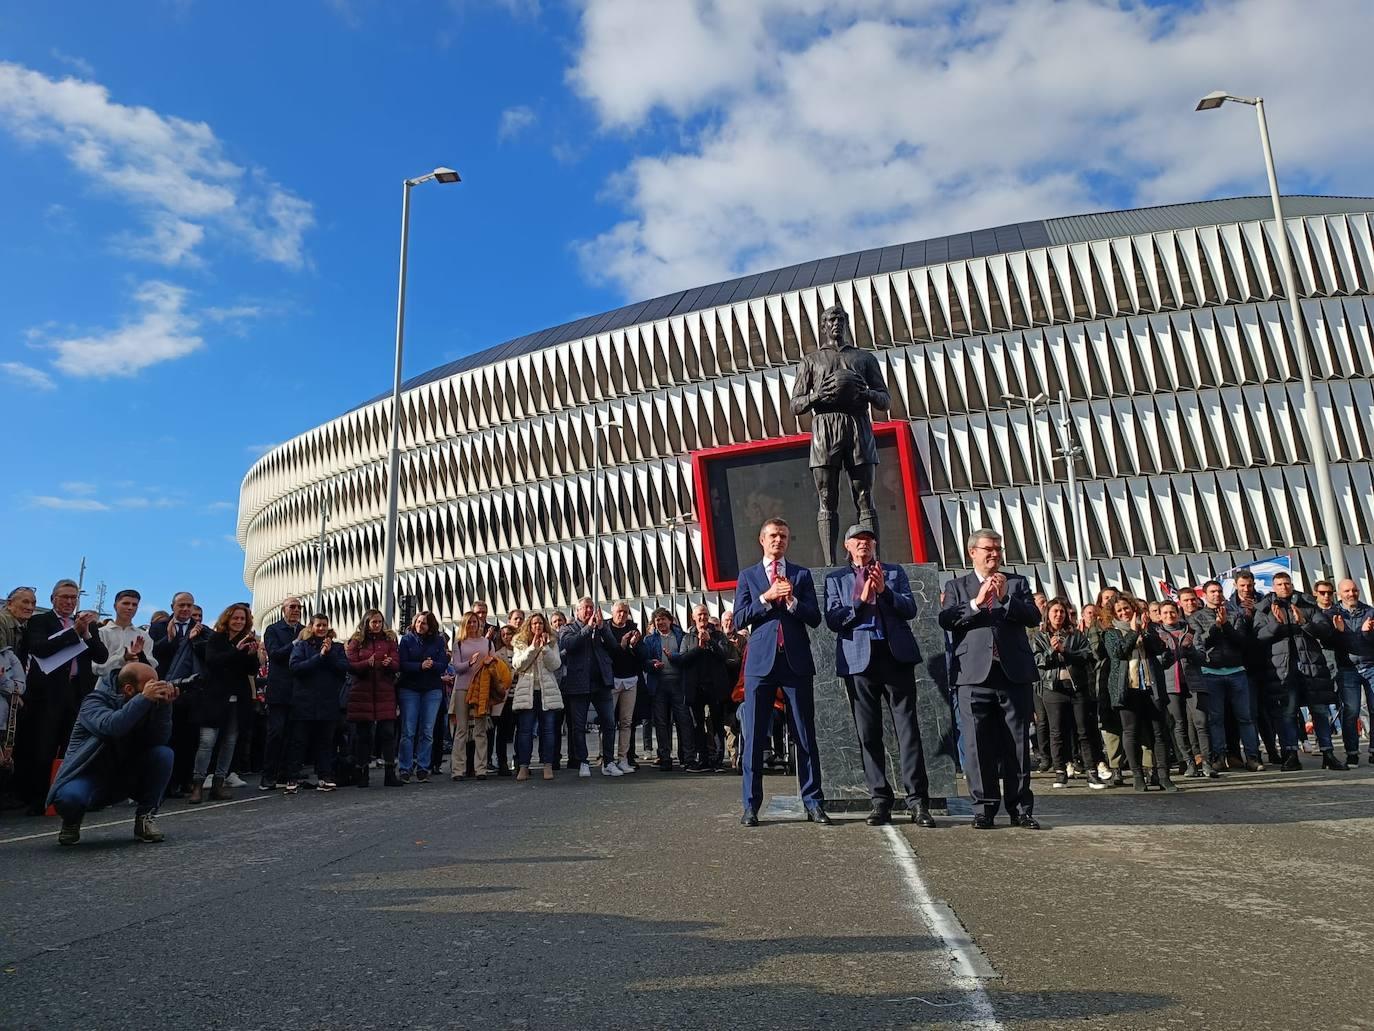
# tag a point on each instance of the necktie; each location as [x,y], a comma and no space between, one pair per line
[67,624]
[996,655]
[776,574]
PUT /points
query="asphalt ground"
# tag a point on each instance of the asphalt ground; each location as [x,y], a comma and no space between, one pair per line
[641,902]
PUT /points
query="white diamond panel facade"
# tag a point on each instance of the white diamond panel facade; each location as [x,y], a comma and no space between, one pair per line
[1171,346]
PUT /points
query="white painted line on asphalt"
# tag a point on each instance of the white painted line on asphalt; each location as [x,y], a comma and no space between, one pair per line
[971,967]
[130,820]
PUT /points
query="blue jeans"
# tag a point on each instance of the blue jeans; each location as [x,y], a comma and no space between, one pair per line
[418,710]
[526,720]
[1356,684]
[144,780]
[1233,688]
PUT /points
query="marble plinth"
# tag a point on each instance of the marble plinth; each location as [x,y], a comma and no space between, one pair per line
[842,773]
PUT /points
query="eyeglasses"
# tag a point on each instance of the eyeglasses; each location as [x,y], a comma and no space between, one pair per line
[1323,590]
[992,549]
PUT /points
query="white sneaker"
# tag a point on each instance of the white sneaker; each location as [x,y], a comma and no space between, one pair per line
[625,766]
[209,781]
[584,770]
[1104,771]
[1071,770]
[611,770]
[235,781]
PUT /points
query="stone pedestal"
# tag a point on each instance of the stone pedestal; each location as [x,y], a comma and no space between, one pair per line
[841,766]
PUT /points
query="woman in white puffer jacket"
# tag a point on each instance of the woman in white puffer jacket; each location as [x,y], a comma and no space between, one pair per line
[535,697]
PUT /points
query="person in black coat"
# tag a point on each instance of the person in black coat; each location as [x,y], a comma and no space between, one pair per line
[231,662]
[319,665]
[179,649]
[52,699]
[278,640]
[706,655]
[987,613]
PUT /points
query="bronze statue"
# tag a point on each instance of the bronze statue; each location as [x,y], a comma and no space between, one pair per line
[837,384]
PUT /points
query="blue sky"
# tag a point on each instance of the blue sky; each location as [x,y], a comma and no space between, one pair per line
[201,201]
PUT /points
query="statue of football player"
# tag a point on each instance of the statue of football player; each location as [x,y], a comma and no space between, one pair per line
[837,384]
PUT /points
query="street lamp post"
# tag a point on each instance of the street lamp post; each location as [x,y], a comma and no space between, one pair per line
[393,490]
[319,559]
[598,428]
[684,520]
[1316,439]
[1033,405]
[1069,451]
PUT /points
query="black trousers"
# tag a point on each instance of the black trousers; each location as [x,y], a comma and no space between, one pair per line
[893,682]
[374,738]
[1065,711]
[670,710]
[313,740]
[994,719]
[278,739]
[1186,715]
[41,731]
[185,744]
[1143,725]
[708,728]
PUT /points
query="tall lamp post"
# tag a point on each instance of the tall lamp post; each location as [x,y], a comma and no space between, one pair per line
[1069,452]
[1316,439]
[393,488]
[1034,405]
[598,427]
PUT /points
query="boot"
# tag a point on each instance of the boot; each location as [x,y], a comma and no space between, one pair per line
[1291,762]
[1138,780]
[523,774]
[146,830]
[1117,779]
[1165,780]
[360,776]
[1330,762]
[218,792]
[196,796]
[390,779]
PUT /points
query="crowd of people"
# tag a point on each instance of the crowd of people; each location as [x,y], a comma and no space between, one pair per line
[1187,686]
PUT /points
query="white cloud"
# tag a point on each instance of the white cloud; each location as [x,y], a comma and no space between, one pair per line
[797,131]
[36,379]
[514,121]
[72,61]
[162,331]
[77,487]
[221,506]
[258,450]
[68,504]
[176,172]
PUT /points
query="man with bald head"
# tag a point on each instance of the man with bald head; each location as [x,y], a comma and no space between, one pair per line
[118,749]
[1353,643]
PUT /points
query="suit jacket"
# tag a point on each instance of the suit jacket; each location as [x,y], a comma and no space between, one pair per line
[581,645]
[973,633]
[763,619]
[893,608]
[60,686]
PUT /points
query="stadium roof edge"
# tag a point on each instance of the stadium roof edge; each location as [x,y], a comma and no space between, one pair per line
[1005,239]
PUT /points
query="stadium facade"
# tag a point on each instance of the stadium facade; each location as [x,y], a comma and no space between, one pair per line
[1163,326]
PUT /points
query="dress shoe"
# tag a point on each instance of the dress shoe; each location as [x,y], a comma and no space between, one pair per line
[920,814]
[982,823]
[1025,821]
[816,814]
[880,814]
[1330,762]
[1291,762]
[749,819]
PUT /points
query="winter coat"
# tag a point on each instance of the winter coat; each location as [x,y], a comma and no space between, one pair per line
[280,639]
[1294,648]
[12,632]
[1120,646]
[584,647]
[1354,647]
[229,673]
[1184,673]
[414,649]
[106,725]
[706,669]
[488,690]
[1075,657]
[372,698]
[1223,646]
[318,680]
[536,670]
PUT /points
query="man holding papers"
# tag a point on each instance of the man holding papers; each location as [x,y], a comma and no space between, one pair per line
[63,647]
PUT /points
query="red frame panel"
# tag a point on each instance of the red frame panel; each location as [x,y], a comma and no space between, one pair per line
[906,453]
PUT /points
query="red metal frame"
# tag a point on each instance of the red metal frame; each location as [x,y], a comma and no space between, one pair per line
[906,454]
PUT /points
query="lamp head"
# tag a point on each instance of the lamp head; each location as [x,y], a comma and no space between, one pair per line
[446,175]
[1213,100]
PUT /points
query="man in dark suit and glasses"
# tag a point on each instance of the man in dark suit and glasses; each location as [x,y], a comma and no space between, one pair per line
[987,614]
[868,605]
[776,600]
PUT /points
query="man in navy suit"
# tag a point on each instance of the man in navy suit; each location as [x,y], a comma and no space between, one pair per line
[868,605]
[987,614]
[776,600]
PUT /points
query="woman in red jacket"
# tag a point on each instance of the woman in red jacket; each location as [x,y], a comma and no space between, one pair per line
[374,661]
